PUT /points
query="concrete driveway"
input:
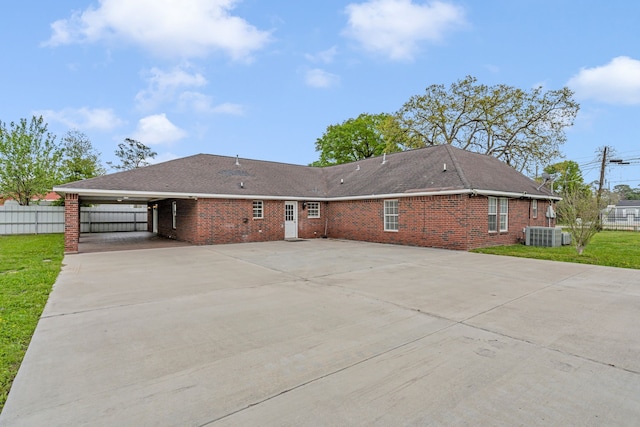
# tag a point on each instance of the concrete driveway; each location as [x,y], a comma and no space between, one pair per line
[329,332]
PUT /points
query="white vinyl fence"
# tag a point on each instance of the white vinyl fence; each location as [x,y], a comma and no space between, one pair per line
[41,219]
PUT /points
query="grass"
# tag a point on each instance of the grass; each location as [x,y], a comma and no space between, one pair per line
[609,248]
[29,265]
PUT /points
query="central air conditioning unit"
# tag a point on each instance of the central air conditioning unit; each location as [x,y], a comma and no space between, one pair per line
[566,239]
[543,236]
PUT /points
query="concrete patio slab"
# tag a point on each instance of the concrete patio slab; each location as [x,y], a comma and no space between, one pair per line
[329,332]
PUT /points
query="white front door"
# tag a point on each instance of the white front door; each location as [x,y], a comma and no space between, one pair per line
[290,220]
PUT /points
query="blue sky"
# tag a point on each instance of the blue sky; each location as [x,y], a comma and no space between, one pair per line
[264,79]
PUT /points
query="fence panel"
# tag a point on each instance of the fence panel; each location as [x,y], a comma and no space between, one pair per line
[43,219]
[621,218]
[109,218]
[627,222]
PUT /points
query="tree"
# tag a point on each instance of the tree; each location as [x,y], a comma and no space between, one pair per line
[626,192]
[580,214]
[29,160]
[366,136]
[133,154]
[568,176]
[80,160]
[519,127]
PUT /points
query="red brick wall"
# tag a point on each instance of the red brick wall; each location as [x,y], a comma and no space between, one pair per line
[433,221]
[217,221]
[310,228]
[450,222]
[186,219]
[231,221]
[71,223]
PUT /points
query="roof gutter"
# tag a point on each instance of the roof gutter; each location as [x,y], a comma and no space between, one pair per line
[398,195]
[513,195]
[174,195]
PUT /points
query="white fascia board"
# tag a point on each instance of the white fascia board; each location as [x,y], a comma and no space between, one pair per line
[174,195]
[447,193]
[513,195]
[399,195]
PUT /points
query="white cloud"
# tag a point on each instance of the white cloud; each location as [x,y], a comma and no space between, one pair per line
[162,85]
[84,118]
[617,82]
[396,28]
[321,79]
[203,104]
[184,28]
[325,56]
[157,129]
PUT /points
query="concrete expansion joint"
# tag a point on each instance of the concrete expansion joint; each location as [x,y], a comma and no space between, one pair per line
[553,349]
[327,375]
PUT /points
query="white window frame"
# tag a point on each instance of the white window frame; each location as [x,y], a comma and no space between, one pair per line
[498,209]
[534,208]
[174,210]
[504,214]
[493,213]
[313,209]
[258,209]
[391,215]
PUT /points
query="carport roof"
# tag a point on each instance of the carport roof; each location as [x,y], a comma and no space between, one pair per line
[432,170]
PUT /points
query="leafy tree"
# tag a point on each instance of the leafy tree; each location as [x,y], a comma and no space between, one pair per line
[626,192]
[517,126]
[580,214]
[568,176]
[29,160]
[366,136]
[133,154]
[80,160]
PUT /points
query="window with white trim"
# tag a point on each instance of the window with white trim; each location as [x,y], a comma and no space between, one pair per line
[504,214]
[174,210]
[390,215]
[534,208]
[493,214]
[258,209]
[498,214]
[313,209]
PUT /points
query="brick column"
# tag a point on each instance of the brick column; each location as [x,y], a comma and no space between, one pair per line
[71,223]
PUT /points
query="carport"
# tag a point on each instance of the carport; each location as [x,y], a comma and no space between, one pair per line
[75,241]
[124,241]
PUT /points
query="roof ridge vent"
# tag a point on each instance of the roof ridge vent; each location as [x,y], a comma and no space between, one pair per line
[237,161]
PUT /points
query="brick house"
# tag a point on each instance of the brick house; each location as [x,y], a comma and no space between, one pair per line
[440,196]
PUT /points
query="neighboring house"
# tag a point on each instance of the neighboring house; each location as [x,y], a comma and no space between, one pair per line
[49,198]
[439,196]
[624,215]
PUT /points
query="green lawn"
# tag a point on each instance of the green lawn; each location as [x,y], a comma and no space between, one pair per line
[610,248]
[29,265]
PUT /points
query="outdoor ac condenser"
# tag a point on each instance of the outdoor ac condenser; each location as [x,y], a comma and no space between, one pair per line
[543,236]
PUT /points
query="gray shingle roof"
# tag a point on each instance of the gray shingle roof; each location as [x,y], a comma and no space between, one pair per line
[420,170]
[628,203]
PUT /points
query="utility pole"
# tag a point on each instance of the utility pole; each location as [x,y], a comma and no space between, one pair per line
[601,183]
